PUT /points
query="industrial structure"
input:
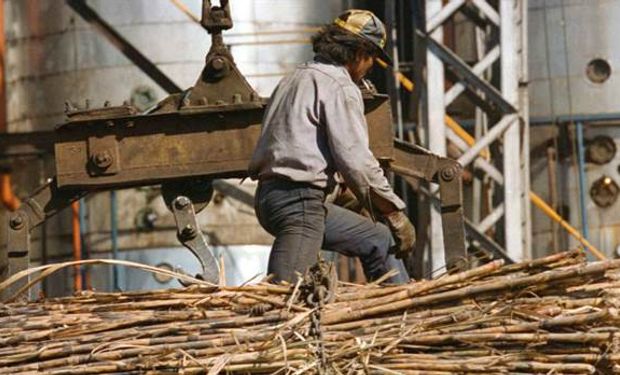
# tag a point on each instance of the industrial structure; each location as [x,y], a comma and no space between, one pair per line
[102,114]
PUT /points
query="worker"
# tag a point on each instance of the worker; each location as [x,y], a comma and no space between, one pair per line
[313,131]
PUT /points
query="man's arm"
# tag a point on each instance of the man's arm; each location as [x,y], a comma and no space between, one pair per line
[347,134]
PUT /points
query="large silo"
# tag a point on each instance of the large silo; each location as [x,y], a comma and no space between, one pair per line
[54,56]
[573,62]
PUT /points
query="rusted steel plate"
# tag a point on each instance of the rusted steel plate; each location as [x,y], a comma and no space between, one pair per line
[155,148]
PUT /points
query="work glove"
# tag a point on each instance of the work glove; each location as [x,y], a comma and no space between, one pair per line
[403,232]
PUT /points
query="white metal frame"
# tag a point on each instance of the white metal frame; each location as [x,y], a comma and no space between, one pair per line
[509,21]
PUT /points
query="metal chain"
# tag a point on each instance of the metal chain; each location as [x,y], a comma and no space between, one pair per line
[318,293]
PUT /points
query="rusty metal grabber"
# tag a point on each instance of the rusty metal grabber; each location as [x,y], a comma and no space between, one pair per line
[44,203]
[414,162]
[48,200]
[190,235]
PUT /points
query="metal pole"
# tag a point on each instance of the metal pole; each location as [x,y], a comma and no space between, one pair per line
[114,237]
[524,112]
[417,100]
[390,10]
[512,143]
[83,230]
[553,195]
[480,128]
[585,228]
[436,128]
[3,115]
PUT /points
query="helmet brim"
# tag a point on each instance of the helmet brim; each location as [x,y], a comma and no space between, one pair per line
[383,55]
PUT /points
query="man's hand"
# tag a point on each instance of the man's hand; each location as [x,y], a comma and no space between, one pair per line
[403,231]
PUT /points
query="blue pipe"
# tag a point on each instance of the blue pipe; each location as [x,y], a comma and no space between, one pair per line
[564,119]
[114,237]
[582,180]
[593,117]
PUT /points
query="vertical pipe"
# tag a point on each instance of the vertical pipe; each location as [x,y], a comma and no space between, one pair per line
[114,237]
[436,129]
[390,11]
[513,194]
[418,98]
[553,195]
[585,228]
[391,20]
[480,128]
[83,249]
[77,245]
[3,115]
[4,179]
[524,111]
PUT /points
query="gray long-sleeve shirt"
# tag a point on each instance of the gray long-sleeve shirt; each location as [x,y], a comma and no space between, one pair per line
[314,126]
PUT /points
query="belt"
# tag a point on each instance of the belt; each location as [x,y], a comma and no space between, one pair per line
[286,183]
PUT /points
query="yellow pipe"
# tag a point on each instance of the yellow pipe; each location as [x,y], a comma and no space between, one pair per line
[534,198]
[464,135]
[549,211]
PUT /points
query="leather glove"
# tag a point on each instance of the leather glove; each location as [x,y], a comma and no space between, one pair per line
[403,231]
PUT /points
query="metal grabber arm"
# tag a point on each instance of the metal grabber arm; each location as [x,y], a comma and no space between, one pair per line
[184,198]
[413,163]
[44,203]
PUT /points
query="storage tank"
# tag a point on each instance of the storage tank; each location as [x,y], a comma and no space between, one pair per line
[53,55]
[573,63]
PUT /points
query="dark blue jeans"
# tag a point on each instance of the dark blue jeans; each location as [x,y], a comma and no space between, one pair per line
[302,224]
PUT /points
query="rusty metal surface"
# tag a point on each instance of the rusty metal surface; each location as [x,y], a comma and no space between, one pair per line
[155,148]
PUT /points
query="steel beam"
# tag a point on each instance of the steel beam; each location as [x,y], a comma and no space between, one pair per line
[481,126]
[491,219]
[486,242]
[469,78]
[446,12]
[506,101]
[488,11]
[436,128]
[478,69]
[479,163]
[524,113]
[509,75]
[492,135]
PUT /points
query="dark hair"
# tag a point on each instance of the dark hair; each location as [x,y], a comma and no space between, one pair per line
[341,46]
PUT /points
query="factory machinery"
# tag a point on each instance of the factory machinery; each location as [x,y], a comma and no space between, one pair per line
[191,138]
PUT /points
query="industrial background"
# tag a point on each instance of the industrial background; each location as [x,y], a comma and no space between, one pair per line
[502,86]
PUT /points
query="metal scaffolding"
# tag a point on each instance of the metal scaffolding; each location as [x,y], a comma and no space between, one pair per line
[496,85]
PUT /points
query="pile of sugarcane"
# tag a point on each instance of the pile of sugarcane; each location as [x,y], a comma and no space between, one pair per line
[555,315]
